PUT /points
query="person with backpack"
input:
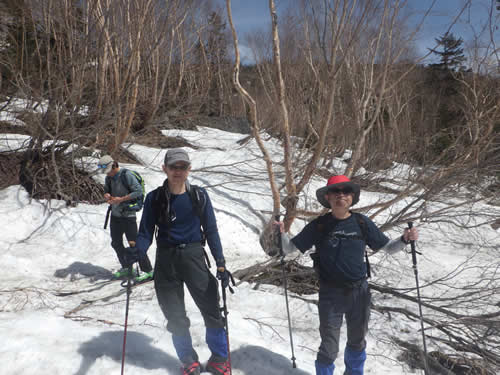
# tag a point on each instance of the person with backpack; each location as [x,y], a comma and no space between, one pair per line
[339,238]
[124,194]
[183,217]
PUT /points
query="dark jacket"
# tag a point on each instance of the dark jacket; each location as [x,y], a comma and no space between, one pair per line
[340,246]
[114,186]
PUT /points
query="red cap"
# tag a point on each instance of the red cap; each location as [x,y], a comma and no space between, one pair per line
[337,181]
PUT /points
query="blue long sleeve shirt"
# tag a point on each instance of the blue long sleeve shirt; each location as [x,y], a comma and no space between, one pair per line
[185,226]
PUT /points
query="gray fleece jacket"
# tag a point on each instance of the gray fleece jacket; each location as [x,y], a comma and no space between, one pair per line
[113,185]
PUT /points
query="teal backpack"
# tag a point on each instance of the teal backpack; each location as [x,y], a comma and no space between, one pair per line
[138,203]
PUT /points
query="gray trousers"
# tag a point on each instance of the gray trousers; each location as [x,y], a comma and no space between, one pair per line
[334,303]
[176,267]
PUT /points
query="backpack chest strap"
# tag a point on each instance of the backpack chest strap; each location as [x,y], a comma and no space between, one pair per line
[343,236]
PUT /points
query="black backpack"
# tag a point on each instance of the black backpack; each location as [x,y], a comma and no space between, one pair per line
[362,225]
[161,205]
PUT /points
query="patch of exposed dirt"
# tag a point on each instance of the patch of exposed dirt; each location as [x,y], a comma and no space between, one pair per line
[10,164]
[6,127]
[38,175]
[153,137]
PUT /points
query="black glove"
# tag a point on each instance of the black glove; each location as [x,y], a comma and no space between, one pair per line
[222,273]
[131,255]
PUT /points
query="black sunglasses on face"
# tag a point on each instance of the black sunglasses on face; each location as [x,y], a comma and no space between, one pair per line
[182,167]
[102,166]
[345,191]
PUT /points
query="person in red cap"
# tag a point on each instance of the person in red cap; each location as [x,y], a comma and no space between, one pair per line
[339,238]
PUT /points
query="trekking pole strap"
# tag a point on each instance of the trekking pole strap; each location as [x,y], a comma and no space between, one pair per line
[278,237]
[231,280]
[107,217]
[412,244]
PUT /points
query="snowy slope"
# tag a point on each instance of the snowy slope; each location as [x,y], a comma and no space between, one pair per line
[58,316]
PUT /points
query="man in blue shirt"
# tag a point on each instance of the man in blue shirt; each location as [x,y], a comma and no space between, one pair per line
[180,259]
[340,243]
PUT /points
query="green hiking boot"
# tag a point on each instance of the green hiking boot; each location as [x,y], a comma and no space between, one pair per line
[146,276]
[122,273]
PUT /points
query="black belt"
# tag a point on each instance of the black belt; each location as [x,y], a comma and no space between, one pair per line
[165,246]
[344,284]
[181,246]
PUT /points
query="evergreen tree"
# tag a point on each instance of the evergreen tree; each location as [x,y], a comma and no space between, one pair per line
[450,52]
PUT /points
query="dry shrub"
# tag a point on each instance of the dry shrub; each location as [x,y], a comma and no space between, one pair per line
[9,169]
[44,180]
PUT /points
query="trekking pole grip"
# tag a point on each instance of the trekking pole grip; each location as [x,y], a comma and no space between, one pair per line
[278,237]
[412,244]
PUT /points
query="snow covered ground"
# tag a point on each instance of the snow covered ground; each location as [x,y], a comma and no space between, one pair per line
[58,316]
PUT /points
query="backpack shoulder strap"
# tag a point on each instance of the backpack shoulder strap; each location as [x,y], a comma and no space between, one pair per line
[123,178]
[160,204]
[159,207]
[321,222]
[199,201]
[107,183]
[362,225]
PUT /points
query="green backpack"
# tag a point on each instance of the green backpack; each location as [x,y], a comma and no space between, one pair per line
[138,203]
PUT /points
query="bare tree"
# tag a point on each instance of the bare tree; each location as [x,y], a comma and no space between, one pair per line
[252,112]
[352,79]
[93,72]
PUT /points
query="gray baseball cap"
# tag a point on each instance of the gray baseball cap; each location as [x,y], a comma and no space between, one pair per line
[175,155]
[105,164]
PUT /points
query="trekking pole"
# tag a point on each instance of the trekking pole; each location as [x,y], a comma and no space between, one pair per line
[224,310]
[415,271]
[280,245]
[129,291]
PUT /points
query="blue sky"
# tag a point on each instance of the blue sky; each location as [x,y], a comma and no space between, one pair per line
[254,14]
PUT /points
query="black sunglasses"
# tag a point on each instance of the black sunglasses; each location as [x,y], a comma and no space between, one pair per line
[102,166]
[345,191]
[182,167]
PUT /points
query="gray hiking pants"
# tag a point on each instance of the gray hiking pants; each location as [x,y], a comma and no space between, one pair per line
[334,303]
[176,266]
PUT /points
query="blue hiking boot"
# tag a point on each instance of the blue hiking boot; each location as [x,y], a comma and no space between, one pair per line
[323,368]
[354,361]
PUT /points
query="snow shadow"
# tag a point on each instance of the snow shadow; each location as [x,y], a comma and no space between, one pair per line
[139,352]
[243,202]
[77,270]
[252,360]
